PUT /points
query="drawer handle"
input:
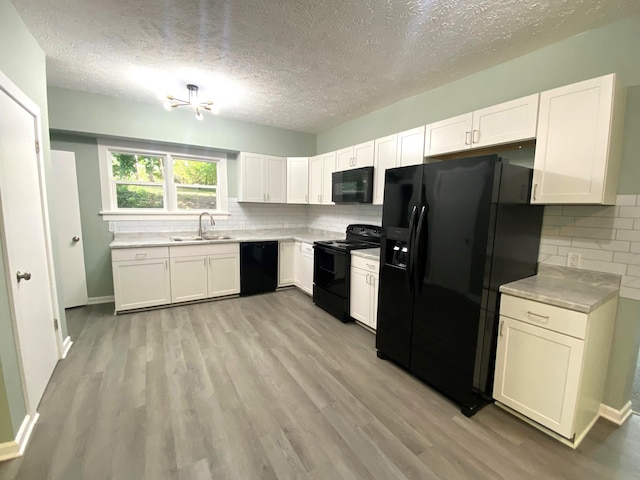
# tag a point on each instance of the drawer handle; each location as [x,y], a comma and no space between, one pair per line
[370,266]
[141,255]
[544,317]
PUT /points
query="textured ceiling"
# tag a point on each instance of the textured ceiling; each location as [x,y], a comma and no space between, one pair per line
[303,65]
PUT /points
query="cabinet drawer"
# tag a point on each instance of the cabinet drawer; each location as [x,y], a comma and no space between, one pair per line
[199,250]
[365,264]
[124,254]
[306,248]
[552,318]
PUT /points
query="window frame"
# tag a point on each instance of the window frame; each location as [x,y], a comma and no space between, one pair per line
[170,211]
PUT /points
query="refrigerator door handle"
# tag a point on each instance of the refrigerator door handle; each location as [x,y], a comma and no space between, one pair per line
[416,267]
[410,242]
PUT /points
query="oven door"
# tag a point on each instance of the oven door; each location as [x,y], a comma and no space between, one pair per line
[329,271]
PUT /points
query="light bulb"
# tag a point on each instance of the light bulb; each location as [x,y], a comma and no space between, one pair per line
[215,110]
[167,105]
[198,114]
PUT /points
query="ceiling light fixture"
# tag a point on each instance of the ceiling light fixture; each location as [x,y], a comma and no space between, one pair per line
[173,102]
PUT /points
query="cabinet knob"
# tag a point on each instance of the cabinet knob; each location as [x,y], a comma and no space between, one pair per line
[467,138]
[23,276]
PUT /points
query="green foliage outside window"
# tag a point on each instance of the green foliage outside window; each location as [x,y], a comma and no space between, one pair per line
[137,168]
[192,172]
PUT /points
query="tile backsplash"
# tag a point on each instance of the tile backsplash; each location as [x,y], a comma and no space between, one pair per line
[606,237]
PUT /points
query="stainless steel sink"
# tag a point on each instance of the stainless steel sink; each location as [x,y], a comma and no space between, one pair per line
[196,238]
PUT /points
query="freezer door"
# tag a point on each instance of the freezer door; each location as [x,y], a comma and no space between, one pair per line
[402,201]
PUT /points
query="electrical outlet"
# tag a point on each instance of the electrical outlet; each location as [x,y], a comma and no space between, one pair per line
[112,226]
[243,225]
[573,260]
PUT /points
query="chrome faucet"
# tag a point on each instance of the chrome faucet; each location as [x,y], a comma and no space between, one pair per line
[213,222]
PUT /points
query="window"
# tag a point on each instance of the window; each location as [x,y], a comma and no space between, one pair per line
[138,183]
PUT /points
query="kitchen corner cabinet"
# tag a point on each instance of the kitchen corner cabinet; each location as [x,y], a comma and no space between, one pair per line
[363,293]
[286,264]
[298,180]
[499,124]
[303,267]
[356,156]
[141,277]
[320,169]
[262,178]
[578,148]
[551,364]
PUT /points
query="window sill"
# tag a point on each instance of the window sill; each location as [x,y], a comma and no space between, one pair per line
[111,216]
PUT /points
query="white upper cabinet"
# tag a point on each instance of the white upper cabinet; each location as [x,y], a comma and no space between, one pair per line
[578,148]
[357,156]
[450,135]
[297,180]
[385,157]
[262,178]
[410,147]
[251,178]
[320,169]
[504,123]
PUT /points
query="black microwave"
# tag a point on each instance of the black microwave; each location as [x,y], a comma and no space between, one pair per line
[352,186]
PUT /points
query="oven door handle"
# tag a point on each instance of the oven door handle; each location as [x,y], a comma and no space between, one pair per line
[409,272]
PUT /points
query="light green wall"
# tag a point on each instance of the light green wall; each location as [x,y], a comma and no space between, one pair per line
[629,183]
[102,116]
[6,430]
[613,48]
[23,61]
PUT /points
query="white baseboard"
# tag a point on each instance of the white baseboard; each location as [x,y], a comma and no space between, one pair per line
[616,416]
[66,346]
[98,300]
[9,450]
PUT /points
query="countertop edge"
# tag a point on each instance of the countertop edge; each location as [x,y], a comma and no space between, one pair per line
[558,302]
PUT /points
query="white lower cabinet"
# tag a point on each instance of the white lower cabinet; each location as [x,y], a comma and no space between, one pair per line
[188,278]
[141,277]
[303,267]
[551,364]
[223,273]
[286,264]
[363,293]
[148,277]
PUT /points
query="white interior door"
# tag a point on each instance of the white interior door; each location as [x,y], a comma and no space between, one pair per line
[25,247]
[66,206]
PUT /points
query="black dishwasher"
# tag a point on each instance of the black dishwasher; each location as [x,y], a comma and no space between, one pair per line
[258,267]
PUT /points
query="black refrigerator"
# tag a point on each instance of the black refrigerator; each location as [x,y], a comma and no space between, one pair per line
[452,233]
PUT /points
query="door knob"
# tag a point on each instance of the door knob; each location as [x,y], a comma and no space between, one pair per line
[76,238]
[23,276]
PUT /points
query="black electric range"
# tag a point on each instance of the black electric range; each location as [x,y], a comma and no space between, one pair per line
[332,268]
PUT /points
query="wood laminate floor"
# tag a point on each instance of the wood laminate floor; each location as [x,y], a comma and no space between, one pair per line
[272,387]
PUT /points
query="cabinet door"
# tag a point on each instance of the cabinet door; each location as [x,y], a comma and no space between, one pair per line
[141,283]
[450,135]
[306,268]
[410,147]
[298,180]
[328,167]
[360,295]
[363,154]
[276,179]
[252,178]
[385,156]
[224,274]
[572,147]
[538,373]
[505,123]
[373,318]
[316,180]
[345,159]
[188,278]
[286,264]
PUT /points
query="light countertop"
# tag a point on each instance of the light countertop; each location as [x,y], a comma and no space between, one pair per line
[571,288]
[164,239]
[370,253]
